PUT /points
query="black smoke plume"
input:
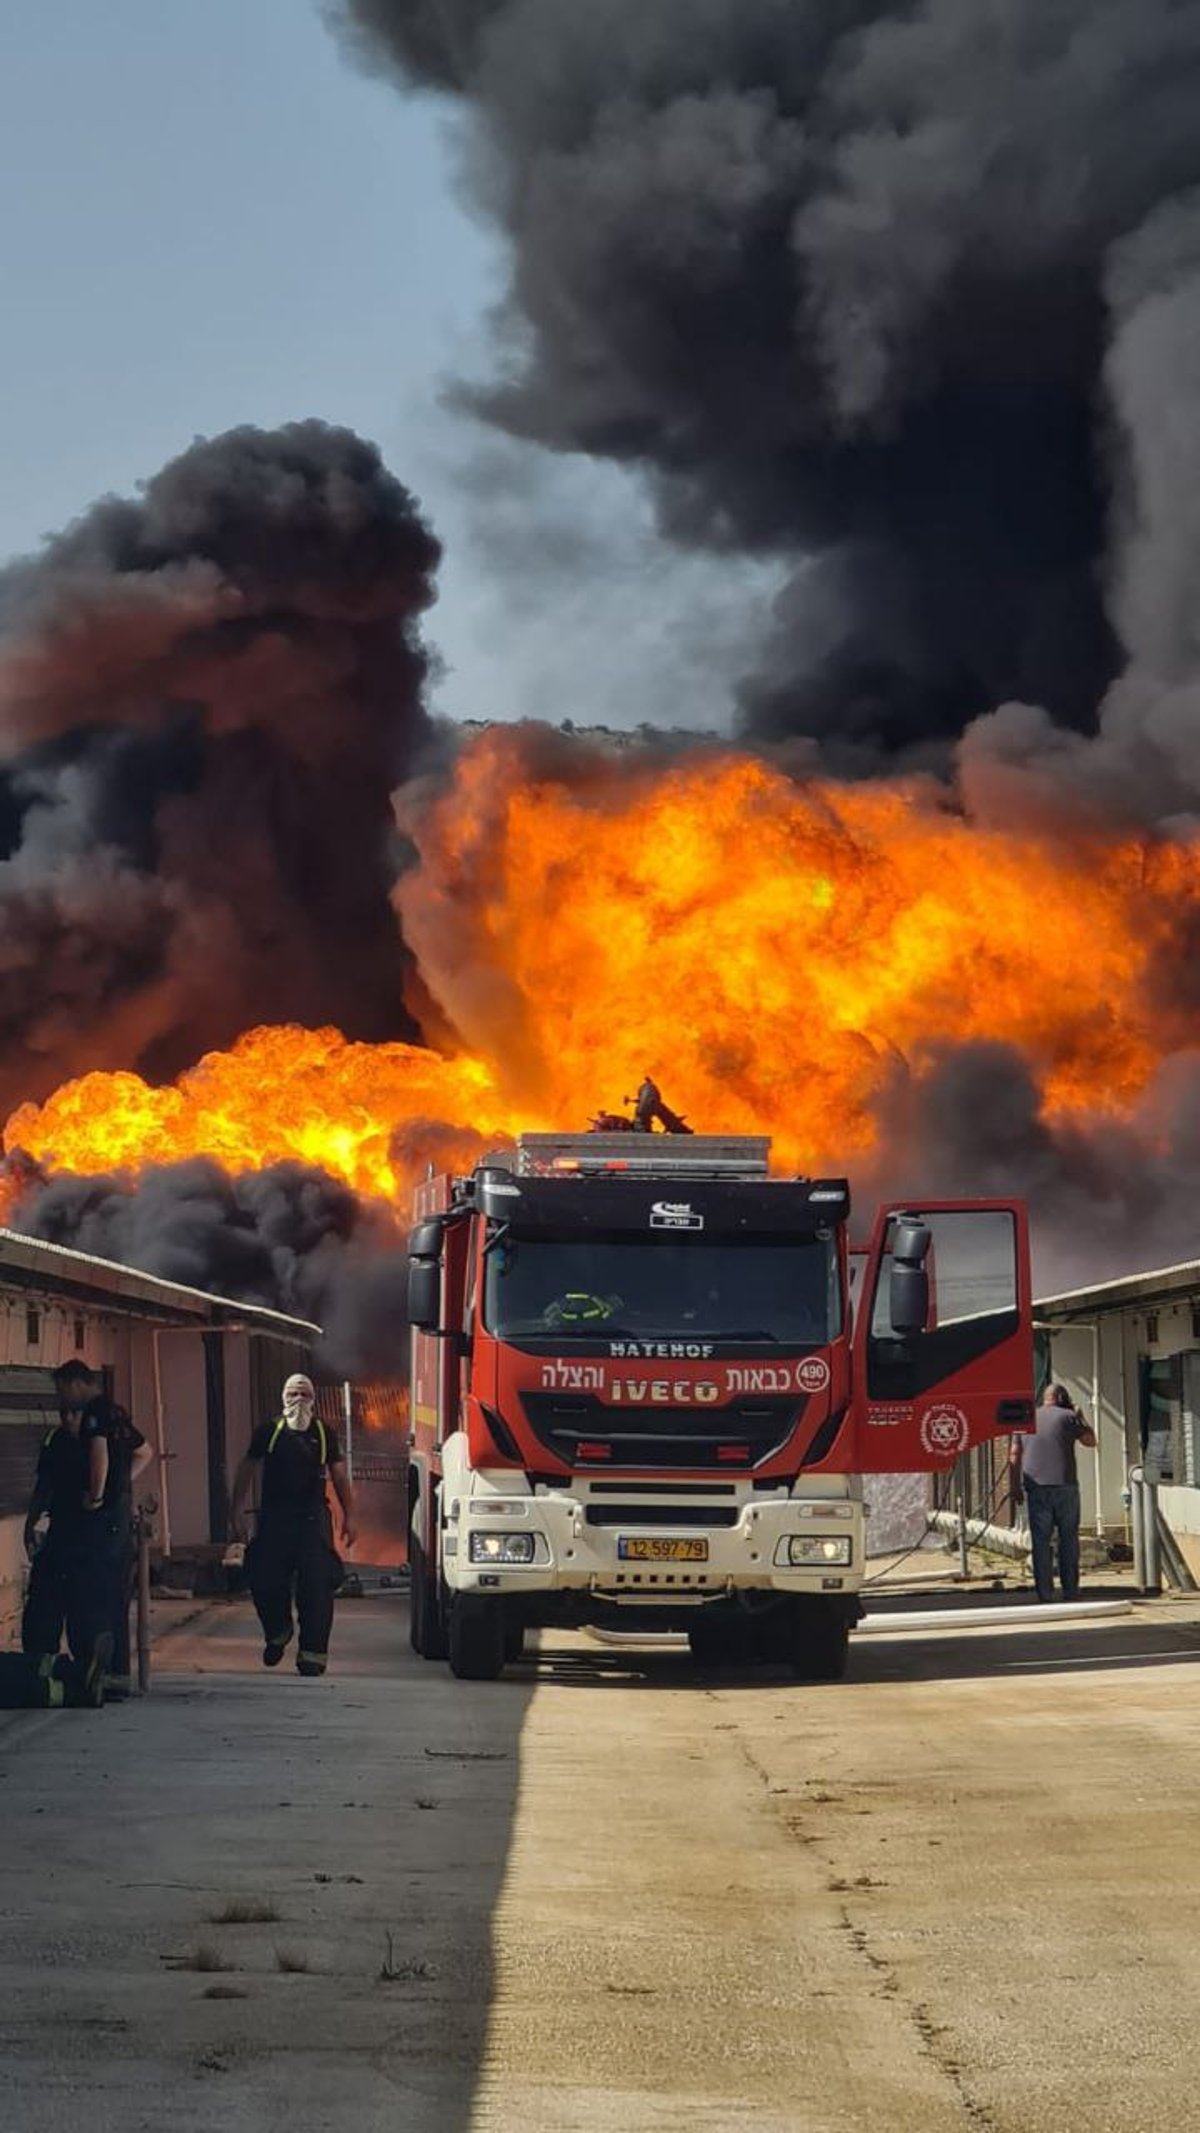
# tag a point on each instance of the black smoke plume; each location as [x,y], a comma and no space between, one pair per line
[288,1237]
[207,693]
[1107,1195]
[908,293]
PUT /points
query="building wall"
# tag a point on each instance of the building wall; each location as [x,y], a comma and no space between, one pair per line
[240,1419]
[1102,1473]
[185,1430]
[1130,1339]
[1171,1332]
[12,1573]
[38,1334]
[253,1367]
[41,1335]
[157,1371]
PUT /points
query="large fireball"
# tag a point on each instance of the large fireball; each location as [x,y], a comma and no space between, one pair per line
[776,951]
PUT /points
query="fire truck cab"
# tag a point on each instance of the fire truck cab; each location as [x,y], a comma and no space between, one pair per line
[643,1398]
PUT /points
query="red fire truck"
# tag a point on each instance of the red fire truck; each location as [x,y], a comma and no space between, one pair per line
[648,1379]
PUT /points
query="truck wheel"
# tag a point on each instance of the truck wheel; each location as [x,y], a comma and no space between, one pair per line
[425,1629]
[771,1635]
[476,1638]
[820,1641]
[718,1644]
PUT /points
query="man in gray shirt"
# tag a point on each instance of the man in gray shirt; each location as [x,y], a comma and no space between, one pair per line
[1043,1465]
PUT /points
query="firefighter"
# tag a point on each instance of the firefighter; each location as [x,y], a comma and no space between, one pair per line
[66,1578]
[291,1558]
[646,1104]
[128,1456]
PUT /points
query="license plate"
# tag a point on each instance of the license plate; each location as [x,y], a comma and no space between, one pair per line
[642,1549]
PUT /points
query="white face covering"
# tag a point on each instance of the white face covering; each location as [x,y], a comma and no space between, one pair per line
[299,1400]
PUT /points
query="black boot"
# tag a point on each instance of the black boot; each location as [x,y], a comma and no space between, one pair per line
[96,1670]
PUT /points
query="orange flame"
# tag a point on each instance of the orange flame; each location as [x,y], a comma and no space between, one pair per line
[773,950]
[279,1095]
[383,1407]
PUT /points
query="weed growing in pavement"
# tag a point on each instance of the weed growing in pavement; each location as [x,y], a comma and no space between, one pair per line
[224,1992]
[245,1911]
[204,1958]
[392,1972]
[292,1961]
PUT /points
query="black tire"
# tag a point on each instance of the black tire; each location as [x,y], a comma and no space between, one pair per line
[514,1641]
[820,1641]
[476,1637]
[771,1635]
[718,1643]
[426,1630]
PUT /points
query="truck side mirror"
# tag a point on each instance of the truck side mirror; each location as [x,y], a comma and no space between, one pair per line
[424,1295]
[908,1298]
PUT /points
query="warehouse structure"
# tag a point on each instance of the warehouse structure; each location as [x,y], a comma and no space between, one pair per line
[194,1370]
[1129,1353]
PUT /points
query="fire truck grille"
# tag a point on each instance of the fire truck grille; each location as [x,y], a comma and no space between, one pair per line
[585,1433]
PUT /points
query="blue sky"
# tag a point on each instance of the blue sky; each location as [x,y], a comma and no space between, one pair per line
[209,218]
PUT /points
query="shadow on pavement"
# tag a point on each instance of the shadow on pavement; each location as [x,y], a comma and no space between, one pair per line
[367,1818]
[952,1599]
[1119,1643]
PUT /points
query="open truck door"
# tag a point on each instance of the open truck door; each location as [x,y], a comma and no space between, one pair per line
[943,1334]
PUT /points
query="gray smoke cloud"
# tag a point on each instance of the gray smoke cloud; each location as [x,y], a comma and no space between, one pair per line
[289,1237]
[207,692]
[1107,1195]
[909,298]
[906,293]
[904,296]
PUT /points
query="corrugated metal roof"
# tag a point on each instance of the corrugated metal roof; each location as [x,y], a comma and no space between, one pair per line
[29,1260]
[1159,1286]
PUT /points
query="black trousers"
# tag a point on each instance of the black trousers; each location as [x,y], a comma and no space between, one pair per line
[69,1587]
[290,1558]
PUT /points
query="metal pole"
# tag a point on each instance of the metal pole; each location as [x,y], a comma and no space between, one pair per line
[1096,1427]
[143,1603]
[964,1566]
[1153,1553]
[1137,1520]
[348,1417]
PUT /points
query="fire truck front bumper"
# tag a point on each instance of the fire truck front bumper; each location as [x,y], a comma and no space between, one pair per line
[639,1553]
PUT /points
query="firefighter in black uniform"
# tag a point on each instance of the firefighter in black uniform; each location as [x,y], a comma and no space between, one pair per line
[648,1106]
[292,1554]
[66,1578]
[128,1456]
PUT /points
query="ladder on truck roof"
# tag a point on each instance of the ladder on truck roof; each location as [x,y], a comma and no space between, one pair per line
[651,1155]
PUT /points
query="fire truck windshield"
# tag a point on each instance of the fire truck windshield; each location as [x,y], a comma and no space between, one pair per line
[752,1289]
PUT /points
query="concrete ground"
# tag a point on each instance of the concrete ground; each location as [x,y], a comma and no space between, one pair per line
[959,1891]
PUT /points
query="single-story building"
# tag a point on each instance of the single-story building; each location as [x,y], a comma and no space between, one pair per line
[1129,1353]
[195,1371]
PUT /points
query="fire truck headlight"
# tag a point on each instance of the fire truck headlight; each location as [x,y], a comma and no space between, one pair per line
[804,1549]
[502,1547]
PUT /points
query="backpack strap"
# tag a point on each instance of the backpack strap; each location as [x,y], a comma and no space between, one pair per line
[322,1439]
